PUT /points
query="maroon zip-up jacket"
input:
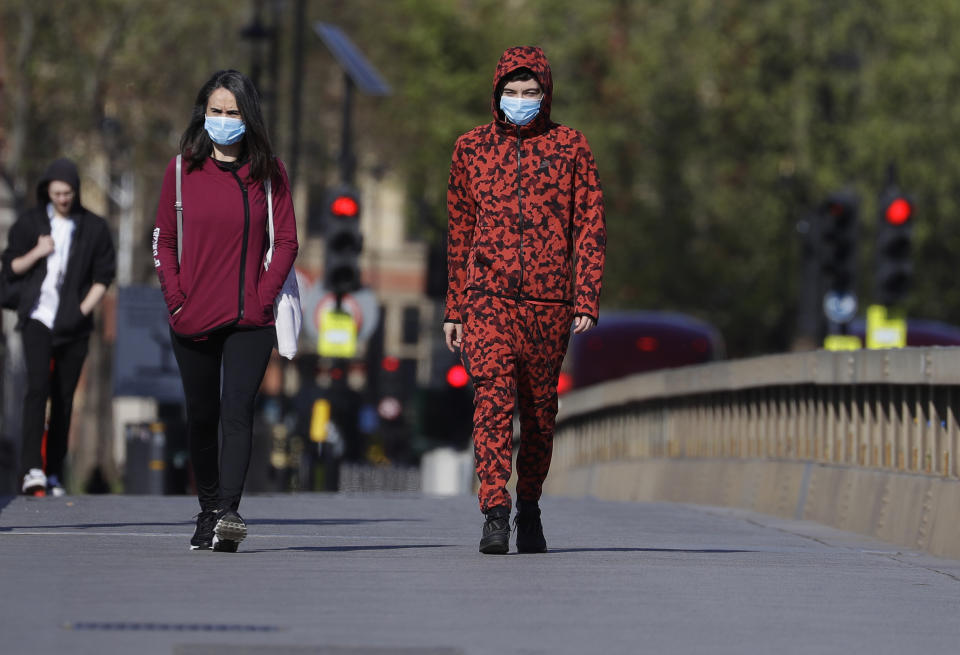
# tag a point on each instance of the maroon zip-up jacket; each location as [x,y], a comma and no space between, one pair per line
[220,280]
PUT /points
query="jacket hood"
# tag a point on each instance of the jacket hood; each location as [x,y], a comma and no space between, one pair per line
[533,58]
[62,170]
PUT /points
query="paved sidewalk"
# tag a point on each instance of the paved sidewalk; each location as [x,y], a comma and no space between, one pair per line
[400,574]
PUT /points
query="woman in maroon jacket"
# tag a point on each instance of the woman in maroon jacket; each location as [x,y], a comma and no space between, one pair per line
[219,296]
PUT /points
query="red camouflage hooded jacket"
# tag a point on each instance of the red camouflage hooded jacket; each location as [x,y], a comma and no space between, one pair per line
[525,207]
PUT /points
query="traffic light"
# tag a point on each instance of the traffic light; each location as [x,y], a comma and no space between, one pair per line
[344,241]
[838,241]
[398,380]
[894,270]
[457,377]
[446,410]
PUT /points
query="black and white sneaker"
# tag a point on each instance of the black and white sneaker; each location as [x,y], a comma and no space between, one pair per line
[203,537]
[35,483]
[229,532]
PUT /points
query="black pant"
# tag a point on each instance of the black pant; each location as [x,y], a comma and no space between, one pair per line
[243,355]
[56,380]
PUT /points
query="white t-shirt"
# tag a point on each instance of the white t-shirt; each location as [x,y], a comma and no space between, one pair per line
[61,229]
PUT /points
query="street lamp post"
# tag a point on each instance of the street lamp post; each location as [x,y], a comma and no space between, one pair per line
[257,33]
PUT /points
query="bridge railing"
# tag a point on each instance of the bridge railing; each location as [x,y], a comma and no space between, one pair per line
[892,412]
[893,409]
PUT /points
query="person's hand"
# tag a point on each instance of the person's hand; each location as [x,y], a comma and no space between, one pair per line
[582,323]
[28,260]
[44,245]
[453,335]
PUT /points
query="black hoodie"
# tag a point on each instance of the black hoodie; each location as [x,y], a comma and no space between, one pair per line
[92,258]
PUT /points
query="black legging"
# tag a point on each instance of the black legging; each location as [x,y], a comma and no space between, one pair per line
[243,354]
[56,383]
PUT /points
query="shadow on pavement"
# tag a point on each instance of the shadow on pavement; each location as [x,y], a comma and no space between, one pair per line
[190,521]
[710,551]
[327,521]
[85,526]
[347,549]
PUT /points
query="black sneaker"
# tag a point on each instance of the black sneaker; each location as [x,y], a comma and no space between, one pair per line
[529,529]
[229,532]
[496,532]
[203,537]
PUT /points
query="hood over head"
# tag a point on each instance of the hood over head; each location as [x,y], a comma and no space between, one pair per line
[62,170]
[530,57]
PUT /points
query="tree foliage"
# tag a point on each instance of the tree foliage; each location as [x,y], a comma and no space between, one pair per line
[716,124]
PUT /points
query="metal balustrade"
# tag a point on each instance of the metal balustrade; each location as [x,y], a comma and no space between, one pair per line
[892,410]
[864,440]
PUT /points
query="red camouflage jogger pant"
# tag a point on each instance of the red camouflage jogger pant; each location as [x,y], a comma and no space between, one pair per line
[513,351]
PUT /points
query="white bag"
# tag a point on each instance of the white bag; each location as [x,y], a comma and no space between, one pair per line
[287,314]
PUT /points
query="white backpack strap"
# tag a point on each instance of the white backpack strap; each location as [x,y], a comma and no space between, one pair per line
[178,205]
[269,188]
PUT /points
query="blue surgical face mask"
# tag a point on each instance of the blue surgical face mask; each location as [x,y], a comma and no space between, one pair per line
[224,130]
[520,111]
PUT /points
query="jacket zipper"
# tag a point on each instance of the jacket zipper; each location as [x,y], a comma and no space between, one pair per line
[520,205]
[246,230]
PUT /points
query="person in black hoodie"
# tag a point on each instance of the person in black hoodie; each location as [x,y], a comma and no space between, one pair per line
[57,266]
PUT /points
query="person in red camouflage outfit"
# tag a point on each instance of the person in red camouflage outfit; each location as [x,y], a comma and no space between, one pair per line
[525,260]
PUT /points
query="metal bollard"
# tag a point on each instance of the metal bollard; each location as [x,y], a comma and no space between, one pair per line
[146,458]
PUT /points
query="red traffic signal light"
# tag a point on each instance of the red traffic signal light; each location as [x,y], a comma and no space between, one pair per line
[390,364]
[457,376]
[894,268]
[898,211]
[344,241]
[344,205]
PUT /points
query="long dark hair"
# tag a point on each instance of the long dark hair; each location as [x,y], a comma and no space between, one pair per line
[195,144]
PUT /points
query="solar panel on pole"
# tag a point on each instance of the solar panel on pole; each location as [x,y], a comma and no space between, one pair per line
[354,64]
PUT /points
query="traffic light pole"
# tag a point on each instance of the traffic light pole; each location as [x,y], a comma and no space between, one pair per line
[810,293]
[348,160]
[358,73]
